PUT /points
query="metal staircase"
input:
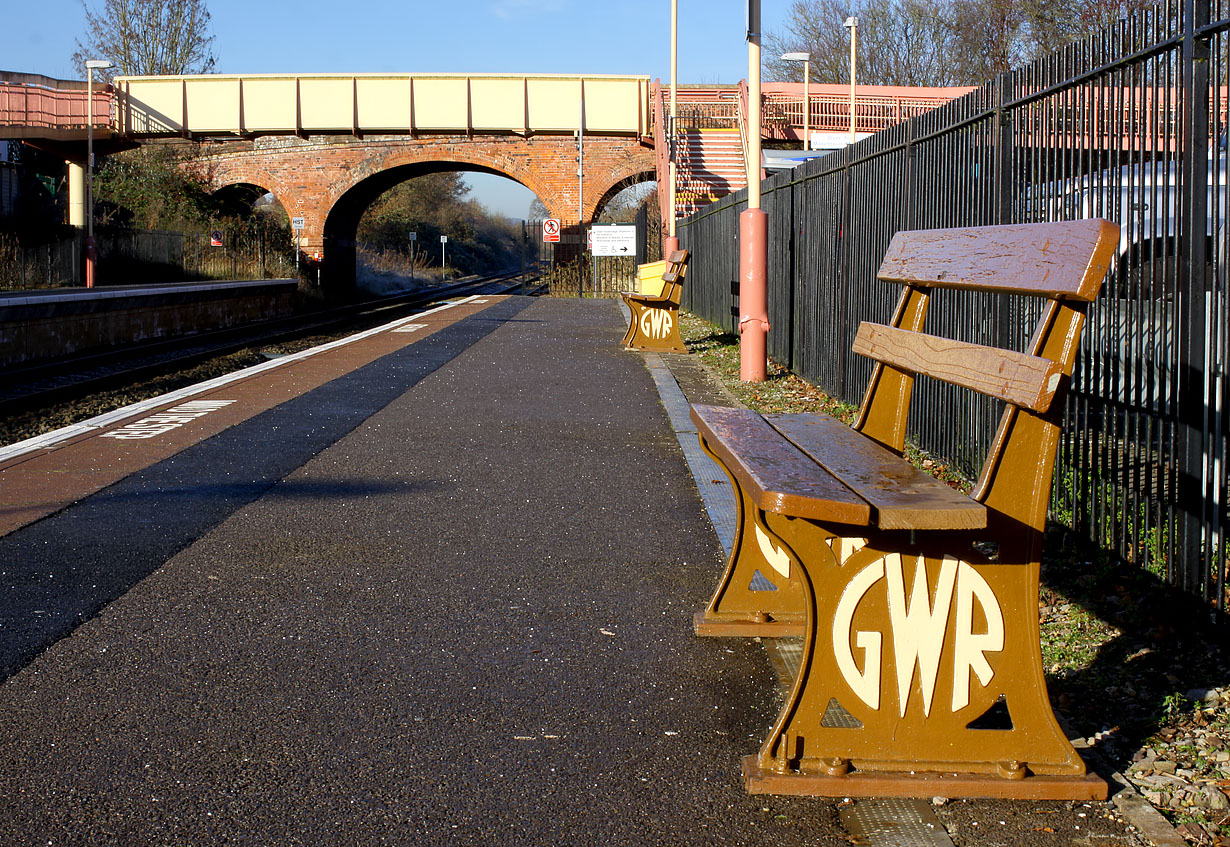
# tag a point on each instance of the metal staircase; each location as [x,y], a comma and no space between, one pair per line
[711,145]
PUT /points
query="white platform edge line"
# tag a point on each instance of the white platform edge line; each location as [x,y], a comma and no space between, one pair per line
[49,440]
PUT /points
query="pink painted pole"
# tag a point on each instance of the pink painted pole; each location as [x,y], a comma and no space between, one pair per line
[753,229]
[753,296]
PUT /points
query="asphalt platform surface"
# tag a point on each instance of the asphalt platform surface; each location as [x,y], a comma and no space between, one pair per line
[445,598]
[431,587]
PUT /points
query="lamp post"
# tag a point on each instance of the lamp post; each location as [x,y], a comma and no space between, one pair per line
[91,65]
[753,228]
[852,25]
[671,242]
[805,58]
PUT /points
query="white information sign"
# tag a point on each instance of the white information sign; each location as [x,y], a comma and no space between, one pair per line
[614,239]
[296,223]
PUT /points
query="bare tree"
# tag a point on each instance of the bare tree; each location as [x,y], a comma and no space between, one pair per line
[901,42]
[932,42]
[148,37]
[989,37]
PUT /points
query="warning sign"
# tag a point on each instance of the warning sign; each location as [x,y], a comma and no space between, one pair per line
[550,230]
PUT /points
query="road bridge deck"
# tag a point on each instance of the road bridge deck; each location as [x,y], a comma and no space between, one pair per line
[402,591]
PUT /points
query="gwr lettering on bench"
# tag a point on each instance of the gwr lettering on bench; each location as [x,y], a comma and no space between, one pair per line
[917,630]
[657,324]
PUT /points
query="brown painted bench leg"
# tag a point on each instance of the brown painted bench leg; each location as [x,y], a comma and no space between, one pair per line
[635,308]
[756,595]
[655,328]
[906,647]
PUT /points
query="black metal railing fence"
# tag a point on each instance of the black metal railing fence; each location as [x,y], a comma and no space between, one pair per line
[1128,124]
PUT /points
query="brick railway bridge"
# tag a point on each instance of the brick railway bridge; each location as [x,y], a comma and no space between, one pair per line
[326,146]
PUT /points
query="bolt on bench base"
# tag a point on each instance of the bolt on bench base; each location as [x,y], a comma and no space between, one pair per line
[761,780]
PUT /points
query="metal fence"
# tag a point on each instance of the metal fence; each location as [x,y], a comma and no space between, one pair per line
[572,271]
[1130,125]
[127,257]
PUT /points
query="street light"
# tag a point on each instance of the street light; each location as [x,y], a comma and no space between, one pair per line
[753,227]
[91,65]
[805,58]
[671,242]
[852,25]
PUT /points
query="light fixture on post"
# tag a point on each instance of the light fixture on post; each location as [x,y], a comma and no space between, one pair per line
[852,25]
[91,65]
[805,58]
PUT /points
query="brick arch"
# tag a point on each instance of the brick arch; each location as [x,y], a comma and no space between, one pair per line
[231,173]
[634,177]
[225,173]
[460,158]
[347,203]
[328,180]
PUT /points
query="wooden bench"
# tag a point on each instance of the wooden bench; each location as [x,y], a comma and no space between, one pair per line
[654,324]
[921,669]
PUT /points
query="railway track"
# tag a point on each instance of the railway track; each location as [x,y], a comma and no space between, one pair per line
[63,384]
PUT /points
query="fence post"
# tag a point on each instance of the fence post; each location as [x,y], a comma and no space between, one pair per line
[1003,148]
[1003,177]
[846,216]
[1193,410]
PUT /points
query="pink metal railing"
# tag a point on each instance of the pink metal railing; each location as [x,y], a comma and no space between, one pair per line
[876,107]
[23,105]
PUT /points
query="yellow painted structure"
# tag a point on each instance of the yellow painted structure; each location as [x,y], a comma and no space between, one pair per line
[307,104]
[649,278]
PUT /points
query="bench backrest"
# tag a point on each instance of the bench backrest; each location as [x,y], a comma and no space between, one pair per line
[672,279]
[1062,262]
[655,278]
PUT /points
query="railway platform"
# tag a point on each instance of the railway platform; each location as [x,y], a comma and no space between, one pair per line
[433,585]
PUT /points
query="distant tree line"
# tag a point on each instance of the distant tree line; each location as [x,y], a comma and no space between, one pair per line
[434,205]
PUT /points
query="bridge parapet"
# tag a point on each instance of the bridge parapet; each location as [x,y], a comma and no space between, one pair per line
[36,110]
[362,104]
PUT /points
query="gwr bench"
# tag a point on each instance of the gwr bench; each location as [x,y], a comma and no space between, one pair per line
[654,324]
[921,670]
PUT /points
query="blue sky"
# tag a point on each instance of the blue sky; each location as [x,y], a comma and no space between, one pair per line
[463,36]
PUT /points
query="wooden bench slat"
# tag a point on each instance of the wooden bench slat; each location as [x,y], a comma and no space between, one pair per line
[1051,260]
[1018,378]
[774,473]
[902,496]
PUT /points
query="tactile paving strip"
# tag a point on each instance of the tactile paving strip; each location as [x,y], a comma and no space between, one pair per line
[894,822]
[715,491]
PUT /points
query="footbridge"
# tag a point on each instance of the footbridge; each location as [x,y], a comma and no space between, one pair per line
[327,145]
